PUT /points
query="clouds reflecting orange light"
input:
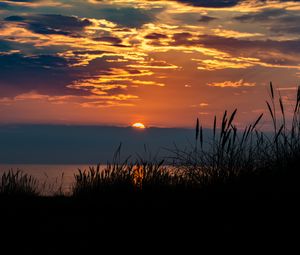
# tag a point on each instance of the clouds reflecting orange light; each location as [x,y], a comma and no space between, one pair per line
[163,62]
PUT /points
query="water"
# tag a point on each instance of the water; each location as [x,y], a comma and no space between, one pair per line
[50,177]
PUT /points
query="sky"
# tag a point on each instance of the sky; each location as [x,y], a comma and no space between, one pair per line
[162,63]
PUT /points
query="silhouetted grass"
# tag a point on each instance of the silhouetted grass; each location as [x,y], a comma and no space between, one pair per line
[17,183]
[245,157]
[125,176]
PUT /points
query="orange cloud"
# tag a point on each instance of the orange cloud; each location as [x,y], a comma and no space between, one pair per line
[232,84]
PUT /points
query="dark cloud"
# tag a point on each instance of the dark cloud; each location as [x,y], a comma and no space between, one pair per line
[128,17]
[279,21]
[9,4]
[221,3]
[4,5]
[155,36]
[289,1]
[52,74]
[51,23]
[264,50]
[122,29]
[182,38]
[295,29]
[215,3]
[15,18]
[206,19]
[232,45]
[268,51]
[43,73]
[265,15]
[125,15]
[23,0]
[211,3]
[25,48]
[109,39]
[84,52]
[100,65]
[5,46]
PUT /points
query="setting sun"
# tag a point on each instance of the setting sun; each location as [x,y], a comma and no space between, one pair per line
[138,125]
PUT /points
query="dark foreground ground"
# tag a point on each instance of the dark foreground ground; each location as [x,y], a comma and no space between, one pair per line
[156,223]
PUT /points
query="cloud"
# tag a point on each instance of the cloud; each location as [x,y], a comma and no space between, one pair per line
[155,36]
[219,63]
[232,45]
[233,34]
[128,16]
[101,101]
[53,79]
[5,46]
[241,53]
[44,73]
[206,19]
[264,15]
[288,88]
[232,84]
[51,23]
[104,81]
[26,1]
[199,3]
[27,4]
[201,105]
[4,6]
[211,3]
[109,39]
[226,3]
[183,38]
[267,51]
[276,20]
[22,0]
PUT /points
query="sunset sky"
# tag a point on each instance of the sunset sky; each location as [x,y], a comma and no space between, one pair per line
[161,63]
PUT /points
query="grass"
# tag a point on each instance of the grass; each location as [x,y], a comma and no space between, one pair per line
[17,183]
[143,175]
[243,157]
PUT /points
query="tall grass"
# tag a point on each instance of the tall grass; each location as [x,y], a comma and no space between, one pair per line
[124,176]
[232,153]
[18,183]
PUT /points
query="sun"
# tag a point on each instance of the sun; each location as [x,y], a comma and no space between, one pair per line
[138,125]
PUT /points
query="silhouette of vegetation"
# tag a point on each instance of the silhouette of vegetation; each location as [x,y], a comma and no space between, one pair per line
[246,157]
[143,175]
[17,183]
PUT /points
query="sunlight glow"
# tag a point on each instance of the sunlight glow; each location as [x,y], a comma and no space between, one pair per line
[138,125]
